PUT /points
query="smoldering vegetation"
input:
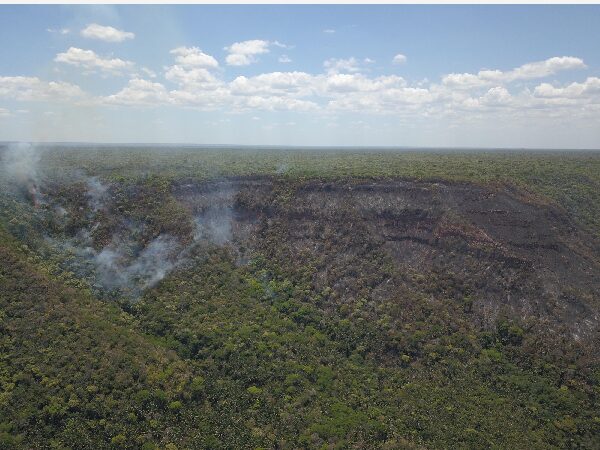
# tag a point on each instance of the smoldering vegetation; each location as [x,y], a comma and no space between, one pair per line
[139,254]
[19,170]
[504,251]
[298,302]
[121,238]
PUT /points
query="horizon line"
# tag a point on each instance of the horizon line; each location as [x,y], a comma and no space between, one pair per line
[298,147]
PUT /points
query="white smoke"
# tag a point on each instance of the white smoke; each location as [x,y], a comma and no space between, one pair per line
[20,163]
[117,266]
[154,262]
[96,193]
[282,169]
[125,267]
[214,225]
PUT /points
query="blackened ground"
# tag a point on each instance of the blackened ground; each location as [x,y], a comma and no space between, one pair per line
[499,251]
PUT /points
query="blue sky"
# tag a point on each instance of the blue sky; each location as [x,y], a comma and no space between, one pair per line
[471,75]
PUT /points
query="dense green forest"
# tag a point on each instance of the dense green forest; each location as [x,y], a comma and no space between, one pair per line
[181,298]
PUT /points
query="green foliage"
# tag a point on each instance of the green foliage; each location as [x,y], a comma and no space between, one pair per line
[270,354]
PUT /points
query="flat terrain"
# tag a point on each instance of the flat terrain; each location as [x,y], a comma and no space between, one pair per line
[255,298]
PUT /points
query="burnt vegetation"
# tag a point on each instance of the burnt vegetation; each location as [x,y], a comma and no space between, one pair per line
[195,298]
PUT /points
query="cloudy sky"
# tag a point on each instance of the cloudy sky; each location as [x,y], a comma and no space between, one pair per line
[478,76]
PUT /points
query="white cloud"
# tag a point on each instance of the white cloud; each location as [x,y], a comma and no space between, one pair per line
[280,45]
[285,59]
[244,53]
[139,92]
[334,65]
[197,76]
[463,81]
[399,59]
[329,31]
[34,89]
[542,69]
[190,96]
[360,83]
[274,83]
[538,69]
[341,86]
[384,100]
[497,96]
[4,113]
[106,33]
[589,88]
[276,104]
[89,60]
[62,31]
[194,57]
[148,72]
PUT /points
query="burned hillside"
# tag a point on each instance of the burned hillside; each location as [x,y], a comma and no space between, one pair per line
[352,311]
[501,252]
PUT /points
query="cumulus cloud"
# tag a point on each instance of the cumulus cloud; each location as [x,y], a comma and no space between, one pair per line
[198,77]
[334,65]
[207,100]
[245,53]
[148,72]
[275,103]
[343,87]
[463,81]
[399,59]
[590,87]
[274,83]
[89,60]
[497,96]
[541,69]
[34,89]
[106,33]
[360,83]
[139,92]
[193,57]
[538,69]
[193,81]
[285,59]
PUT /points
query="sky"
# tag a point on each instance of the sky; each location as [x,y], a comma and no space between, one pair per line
[326,75]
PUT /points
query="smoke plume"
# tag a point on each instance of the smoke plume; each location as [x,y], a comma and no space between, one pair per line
[96,192]
[20,169]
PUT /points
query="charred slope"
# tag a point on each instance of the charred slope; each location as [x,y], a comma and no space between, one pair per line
[498,251]
[303,314]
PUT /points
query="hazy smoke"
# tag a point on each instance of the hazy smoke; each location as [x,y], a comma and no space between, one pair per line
[125,266]
[20,168]
[96,193]
[121,265]
[282,168]
[214,225]
[132,275]
[20,162]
